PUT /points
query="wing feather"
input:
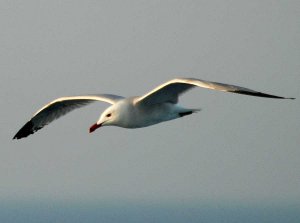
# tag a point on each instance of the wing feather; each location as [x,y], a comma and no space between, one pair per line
[171,90]
[58,108]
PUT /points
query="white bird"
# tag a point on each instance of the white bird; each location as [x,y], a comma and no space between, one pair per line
[157,106]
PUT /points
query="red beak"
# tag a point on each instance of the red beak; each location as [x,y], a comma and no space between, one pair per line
[94,127]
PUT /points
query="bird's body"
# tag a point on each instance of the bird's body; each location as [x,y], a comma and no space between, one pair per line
[131,115]
[157,106]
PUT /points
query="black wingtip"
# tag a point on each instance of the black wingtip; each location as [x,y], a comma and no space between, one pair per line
[260,94]
[25,131]
[287,98]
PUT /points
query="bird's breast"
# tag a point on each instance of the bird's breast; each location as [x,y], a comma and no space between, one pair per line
[138,117]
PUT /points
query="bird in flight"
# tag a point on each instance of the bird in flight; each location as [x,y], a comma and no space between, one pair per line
[156,106]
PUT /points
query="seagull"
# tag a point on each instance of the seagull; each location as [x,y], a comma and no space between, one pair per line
[156,106]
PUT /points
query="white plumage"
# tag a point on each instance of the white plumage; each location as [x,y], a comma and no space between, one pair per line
[157,106]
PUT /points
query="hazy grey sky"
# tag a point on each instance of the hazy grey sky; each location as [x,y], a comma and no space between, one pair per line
[238,148]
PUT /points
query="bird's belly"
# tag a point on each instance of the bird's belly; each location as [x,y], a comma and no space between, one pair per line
[144,118]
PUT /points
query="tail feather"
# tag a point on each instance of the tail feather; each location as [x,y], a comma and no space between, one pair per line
[189,112]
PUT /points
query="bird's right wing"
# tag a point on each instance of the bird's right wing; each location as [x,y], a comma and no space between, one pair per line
[60,107]
[171,90]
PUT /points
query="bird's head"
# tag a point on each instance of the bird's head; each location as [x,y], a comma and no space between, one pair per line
[108,117]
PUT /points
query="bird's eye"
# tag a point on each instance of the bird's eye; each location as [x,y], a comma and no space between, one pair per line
[108,115]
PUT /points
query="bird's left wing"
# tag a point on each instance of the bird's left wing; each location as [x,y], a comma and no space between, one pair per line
[171,90]
[60,107]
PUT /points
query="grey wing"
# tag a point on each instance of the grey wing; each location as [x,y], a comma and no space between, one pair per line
[171,90]
[58,108]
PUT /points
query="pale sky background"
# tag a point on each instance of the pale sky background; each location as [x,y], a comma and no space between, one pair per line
[237,148]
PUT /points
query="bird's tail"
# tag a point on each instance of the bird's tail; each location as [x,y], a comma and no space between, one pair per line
[189,112]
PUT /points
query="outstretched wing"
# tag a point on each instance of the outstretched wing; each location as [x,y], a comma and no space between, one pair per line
[58,108]
[171,90]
